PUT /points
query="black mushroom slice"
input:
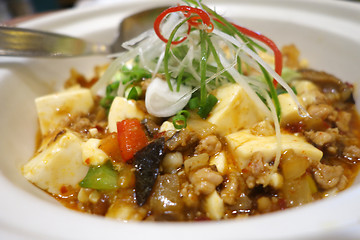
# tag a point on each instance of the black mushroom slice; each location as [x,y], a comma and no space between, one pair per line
[182,140]
[147,163]
[319,77]
[151,127]
[329,83]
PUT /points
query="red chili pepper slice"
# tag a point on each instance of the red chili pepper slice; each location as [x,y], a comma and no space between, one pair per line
[194,21]
[187,12]
[131,138]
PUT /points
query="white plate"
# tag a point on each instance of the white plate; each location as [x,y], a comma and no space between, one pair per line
[326,32]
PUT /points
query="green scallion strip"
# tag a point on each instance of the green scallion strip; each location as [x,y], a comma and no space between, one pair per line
[281,90]
[167,52]
[209,67]
[203,61]
[179,79]
[217,60]
[239,67]
[273,92]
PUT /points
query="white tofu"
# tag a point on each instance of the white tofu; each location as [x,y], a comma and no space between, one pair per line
[93,132]
[235,110]
[219,160]
[243,145]
[303,86]
[58,165]
[307,91]
[289,110]
[54,109]
[122,109]
[214,206]
[276,180]
[124,212]
[167,126]
[92,154]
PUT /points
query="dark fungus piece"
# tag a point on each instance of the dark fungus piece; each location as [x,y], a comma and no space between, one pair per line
[150,126]
[147,163]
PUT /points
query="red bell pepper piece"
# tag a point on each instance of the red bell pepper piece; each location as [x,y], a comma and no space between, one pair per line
[131,138]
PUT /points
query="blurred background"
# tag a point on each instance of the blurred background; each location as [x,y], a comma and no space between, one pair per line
[10,9]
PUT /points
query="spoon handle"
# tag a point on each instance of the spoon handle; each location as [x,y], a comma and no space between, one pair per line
[31,43]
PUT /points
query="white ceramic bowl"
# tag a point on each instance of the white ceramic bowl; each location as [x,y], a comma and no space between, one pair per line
[326,32]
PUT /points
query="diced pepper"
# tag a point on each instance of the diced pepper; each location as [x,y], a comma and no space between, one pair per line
[102,177]
[110,146]
[131,138]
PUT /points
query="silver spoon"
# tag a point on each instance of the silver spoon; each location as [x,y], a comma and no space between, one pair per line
[22,42]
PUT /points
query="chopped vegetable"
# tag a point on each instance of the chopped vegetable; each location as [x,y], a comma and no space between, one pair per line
[124,77]
[180,119]
[147,163]
[102,177]
[135,73]
[205,109]
[111,92]
[110,146]
[131,138]
[133,93]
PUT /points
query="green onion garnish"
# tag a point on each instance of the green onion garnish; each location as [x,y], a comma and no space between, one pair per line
[180,119]
[206,108]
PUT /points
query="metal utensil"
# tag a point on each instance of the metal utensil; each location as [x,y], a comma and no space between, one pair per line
[22,42]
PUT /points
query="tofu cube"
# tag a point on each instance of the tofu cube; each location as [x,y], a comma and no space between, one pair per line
[235,110]
[167,126]
[219,160]
[58,165]
[92,154]
[289,110]
[276,180]
[214,206]
[124,212]
[54,109]
[304,86]
[122,109]
[307,91]
[243,145]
